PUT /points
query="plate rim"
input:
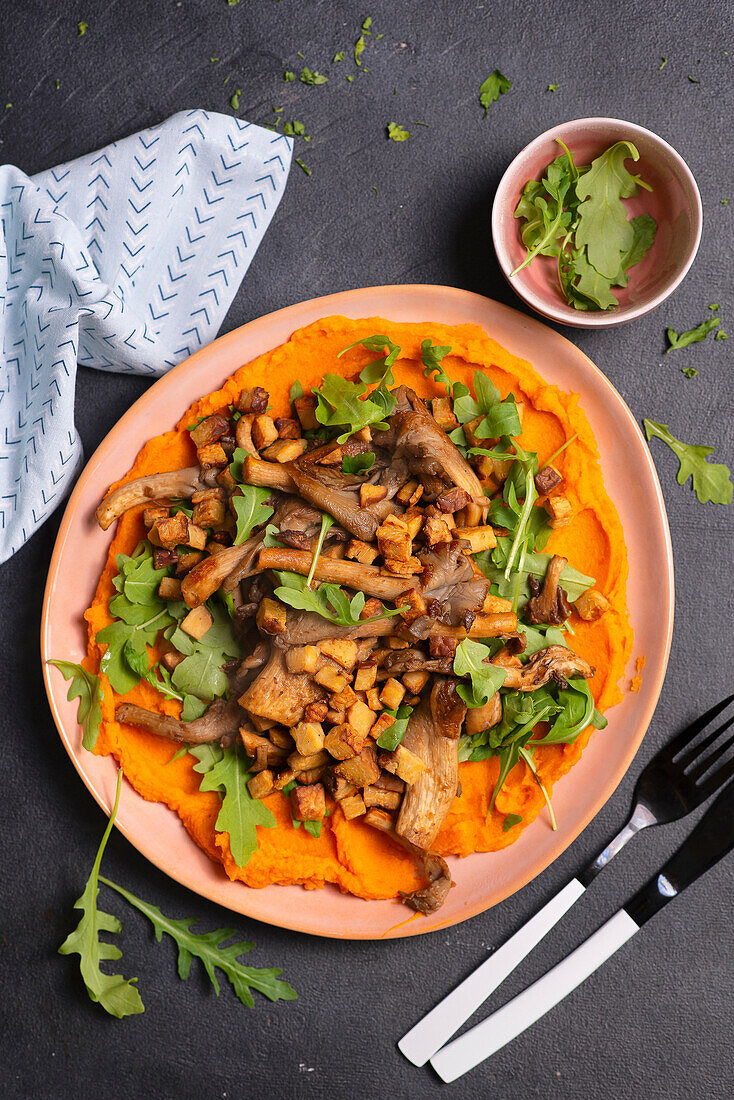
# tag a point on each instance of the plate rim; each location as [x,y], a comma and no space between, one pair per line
[56,688]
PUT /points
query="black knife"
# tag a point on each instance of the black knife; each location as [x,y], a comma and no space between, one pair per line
[710,841]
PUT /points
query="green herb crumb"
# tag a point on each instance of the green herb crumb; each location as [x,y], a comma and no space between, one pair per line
[302,166]
[289,77]
[308,77]
[689,372]
[665,62]
[552,88]
[396,132]
[81,29]
[492,88]
[721,335]
[235,100]
[338,56]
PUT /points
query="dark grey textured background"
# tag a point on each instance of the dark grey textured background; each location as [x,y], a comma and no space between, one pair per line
[657,1020]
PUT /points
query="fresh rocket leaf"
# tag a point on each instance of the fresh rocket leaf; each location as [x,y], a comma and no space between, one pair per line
[391,737]
[380,371]
[81,29]
[486,680]
[431,357]
[251,510]
[711,481]
[358,464]
[308,77]
[234,101]
[295,392]
[492,88]
[192,708]
[493,564]
[328,600]
[338,56]
[225,771]
[644,228]
[395,132]
[341,405]
[326,523]
[208,947]
[692,335]
[289,77]
[359,46]
[117,995]
[511,819]
[603,226]
[85,687]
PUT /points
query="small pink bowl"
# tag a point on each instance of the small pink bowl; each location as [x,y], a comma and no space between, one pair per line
[674,203]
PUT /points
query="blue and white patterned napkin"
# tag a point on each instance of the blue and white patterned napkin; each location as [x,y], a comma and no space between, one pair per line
[124,260]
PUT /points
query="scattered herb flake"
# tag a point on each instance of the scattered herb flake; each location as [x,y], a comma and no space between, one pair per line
[714,306]
[396,132]
[711,481]
[359,50]
[232,3]
[81,29]
[367,24]
[234,101]
[510,821]
[721,335]
[308,77]
[665,62]
[302,166]
[550,88]
[350,78]
[690,336]
[296,129]
[289,77]
[724,202]
[58,84]
[693,79]
[689,372]
[492,88]
[338,56]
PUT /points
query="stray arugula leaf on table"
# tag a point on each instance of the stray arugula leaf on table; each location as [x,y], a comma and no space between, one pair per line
[87,688]
[234,101]
[486,679]
[711,481]
[302,166]
[226,771]
[492,88]
[116,994]
[396,132]
[308,77]
[251,510]
[677,340]
[209,948]
[338,56]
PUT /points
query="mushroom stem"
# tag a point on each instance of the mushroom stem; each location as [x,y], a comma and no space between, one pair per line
[363,578]
[174,483]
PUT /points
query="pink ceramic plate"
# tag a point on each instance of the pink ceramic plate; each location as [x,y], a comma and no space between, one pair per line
[481,880]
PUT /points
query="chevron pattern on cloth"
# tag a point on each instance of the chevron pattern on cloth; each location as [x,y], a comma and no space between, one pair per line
[124,260]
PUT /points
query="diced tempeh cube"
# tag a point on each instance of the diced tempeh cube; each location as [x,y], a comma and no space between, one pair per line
[288,428]
[479,538]
[361,770]
[443,414]
[197,622]
[379,819]
[262,784]
[306,412]
[405,493]
[591,604]
[360,717]
[283,778]
[388,782]
[253,400]
[170,589]
[412,605]
[308,803]
[383,723]
[337,550]
[304,658]
[413,520]
[392,693]
[371,494]
[398,643]
[353,806]
[337,785]
[336,717]
[213,454]
[375,796]
[371,608]
[365,676]
[187,561]
[452,500]
[361,552]
[255,745]
[309,737]
[403,763]
[316,712]
[343,741]
[155,512]
[312,775]
[281,738]
[373,698]
[210,429]
[195,536]
[262,725]
[171,659]
[403,568]
[560,510]
[299,763]
[441,646]
[435,529]
[271,617]
[546,479]
[170,531]
[415,681]
[264,431]
[343,699]
[208,513]
[341,650]
[332,680]
[394,541]
[285,450]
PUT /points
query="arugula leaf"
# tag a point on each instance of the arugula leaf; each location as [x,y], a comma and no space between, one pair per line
[711,481]
[87,688]
[359,46]
[326,523]
[644,228]
[328,600]
[225,771]
[691,336]
[395,132]
[338,56]
[431,356]
[380,371]
[594,288]
[527,755]
[341,404]
[492,88]
[493,564]
[308,77]
[603,226]
[117,995]
[578,711]
[295,392]
[486,680]
[391,737]
[208,947]
[358,464]
[192,708]
[513,819]
[251,511]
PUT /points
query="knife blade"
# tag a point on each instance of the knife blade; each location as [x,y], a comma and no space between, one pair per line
[709,842]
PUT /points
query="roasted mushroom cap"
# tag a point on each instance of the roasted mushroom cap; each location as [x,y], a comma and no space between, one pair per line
[143,490]
[554,663]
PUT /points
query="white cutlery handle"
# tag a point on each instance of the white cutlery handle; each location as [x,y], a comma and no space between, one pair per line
[435,1029]
[512,1019]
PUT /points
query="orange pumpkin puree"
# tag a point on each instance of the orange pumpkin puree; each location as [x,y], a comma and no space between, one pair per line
[355,857]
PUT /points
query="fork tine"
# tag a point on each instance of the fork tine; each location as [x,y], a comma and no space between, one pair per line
[718,779]
[698,750]
[704,766]
[683,739]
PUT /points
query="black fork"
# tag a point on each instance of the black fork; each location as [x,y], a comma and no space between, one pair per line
[677,780]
